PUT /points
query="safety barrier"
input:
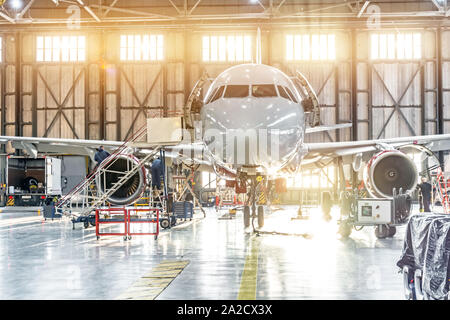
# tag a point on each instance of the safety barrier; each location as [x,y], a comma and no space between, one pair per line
[126,217]
[135,216]
[111,216]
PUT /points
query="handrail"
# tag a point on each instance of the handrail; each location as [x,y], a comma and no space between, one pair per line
[104,165]
[121,181]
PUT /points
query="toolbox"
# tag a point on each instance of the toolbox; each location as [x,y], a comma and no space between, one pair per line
[183,210]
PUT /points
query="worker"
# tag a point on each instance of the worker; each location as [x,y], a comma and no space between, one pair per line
[156,171]
[425,193]
[101,155]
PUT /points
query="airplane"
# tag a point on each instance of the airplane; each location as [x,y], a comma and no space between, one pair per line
[253,122]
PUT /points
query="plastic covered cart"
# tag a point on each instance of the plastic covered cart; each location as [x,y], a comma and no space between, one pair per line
[425,260]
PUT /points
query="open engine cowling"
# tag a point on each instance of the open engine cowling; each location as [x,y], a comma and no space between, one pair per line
[388,170]
[132,189]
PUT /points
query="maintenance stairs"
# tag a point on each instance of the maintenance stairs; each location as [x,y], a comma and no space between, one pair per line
[310,102]
[194,103]
[93,191]
[442,188]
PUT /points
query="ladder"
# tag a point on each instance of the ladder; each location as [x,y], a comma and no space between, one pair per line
[92,200]
[311,102]
[158,200]
[190,108]
[442,187]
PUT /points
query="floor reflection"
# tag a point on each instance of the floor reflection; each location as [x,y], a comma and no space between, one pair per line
[52,261]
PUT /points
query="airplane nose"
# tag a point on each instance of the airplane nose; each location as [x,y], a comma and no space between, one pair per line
[263,133]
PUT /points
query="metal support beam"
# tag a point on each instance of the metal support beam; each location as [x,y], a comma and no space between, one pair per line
[34,101]
[324,8]
[109,8]
[187,67]
[17,88]
[89,10]
[24,10]
[135,12]
[422,99]
[86,101]
[176,8]
[440,94]
[18,84]
[165,84]
[118,102]
[3,96]
[262,6]
[102,79]
[363,8]
[195,6]
[280,5]
[354,83]
[438,5]
[336,101]
[6,17]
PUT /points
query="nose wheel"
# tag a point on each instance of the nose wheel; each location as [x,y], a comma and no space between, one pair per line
[259,216]
[253,212]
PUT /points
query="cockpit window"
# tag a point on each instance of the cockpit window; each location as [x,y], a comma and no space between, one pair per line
[212,95]
[283,93]
[264,90]
[236,91]
[291,95]
[218,94]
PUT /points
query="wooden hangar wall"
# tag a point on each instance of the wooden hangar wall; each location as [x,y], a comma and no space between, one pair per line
[99,98]
[107,98]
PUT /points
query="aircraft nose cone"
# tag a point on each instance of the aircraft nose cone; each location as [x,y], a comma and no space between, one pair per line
[251,132]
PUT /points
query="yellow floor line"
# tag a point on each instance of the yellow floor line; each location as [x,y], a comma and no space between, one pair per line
[247,290]
[150,286]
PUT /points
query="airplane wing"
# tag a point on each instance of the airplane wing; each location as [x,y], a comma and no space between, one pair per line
[33,145]
[327,127]
[56,145]
[320,153]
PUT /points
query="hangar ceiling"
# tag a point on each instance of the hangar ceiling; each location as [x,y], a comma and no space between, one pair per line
[205,12]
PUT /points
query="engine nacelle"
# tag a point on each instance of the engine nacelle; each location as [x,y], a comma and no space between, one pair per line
[388,170]
[132,189]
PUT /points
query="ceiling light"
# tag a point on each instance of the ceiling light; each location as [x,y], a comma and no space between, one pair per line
[16,4]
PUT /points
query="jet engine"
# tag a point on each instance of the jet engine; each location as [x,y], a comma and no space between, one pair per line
[132,189]
[388,170]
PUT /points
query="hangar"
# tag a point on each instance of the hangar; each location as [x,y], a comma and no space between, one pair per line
[242,149]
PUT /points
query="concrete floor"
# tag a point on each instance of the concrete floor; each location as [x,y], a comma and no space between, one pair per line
[51,261]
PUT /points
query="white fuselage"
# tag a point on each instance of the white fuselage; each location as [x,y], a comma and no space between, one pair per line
[253,117]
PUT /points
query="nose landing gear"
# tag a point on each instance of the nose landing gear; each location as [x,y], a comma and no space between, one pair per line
[259,216]
[251,210]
